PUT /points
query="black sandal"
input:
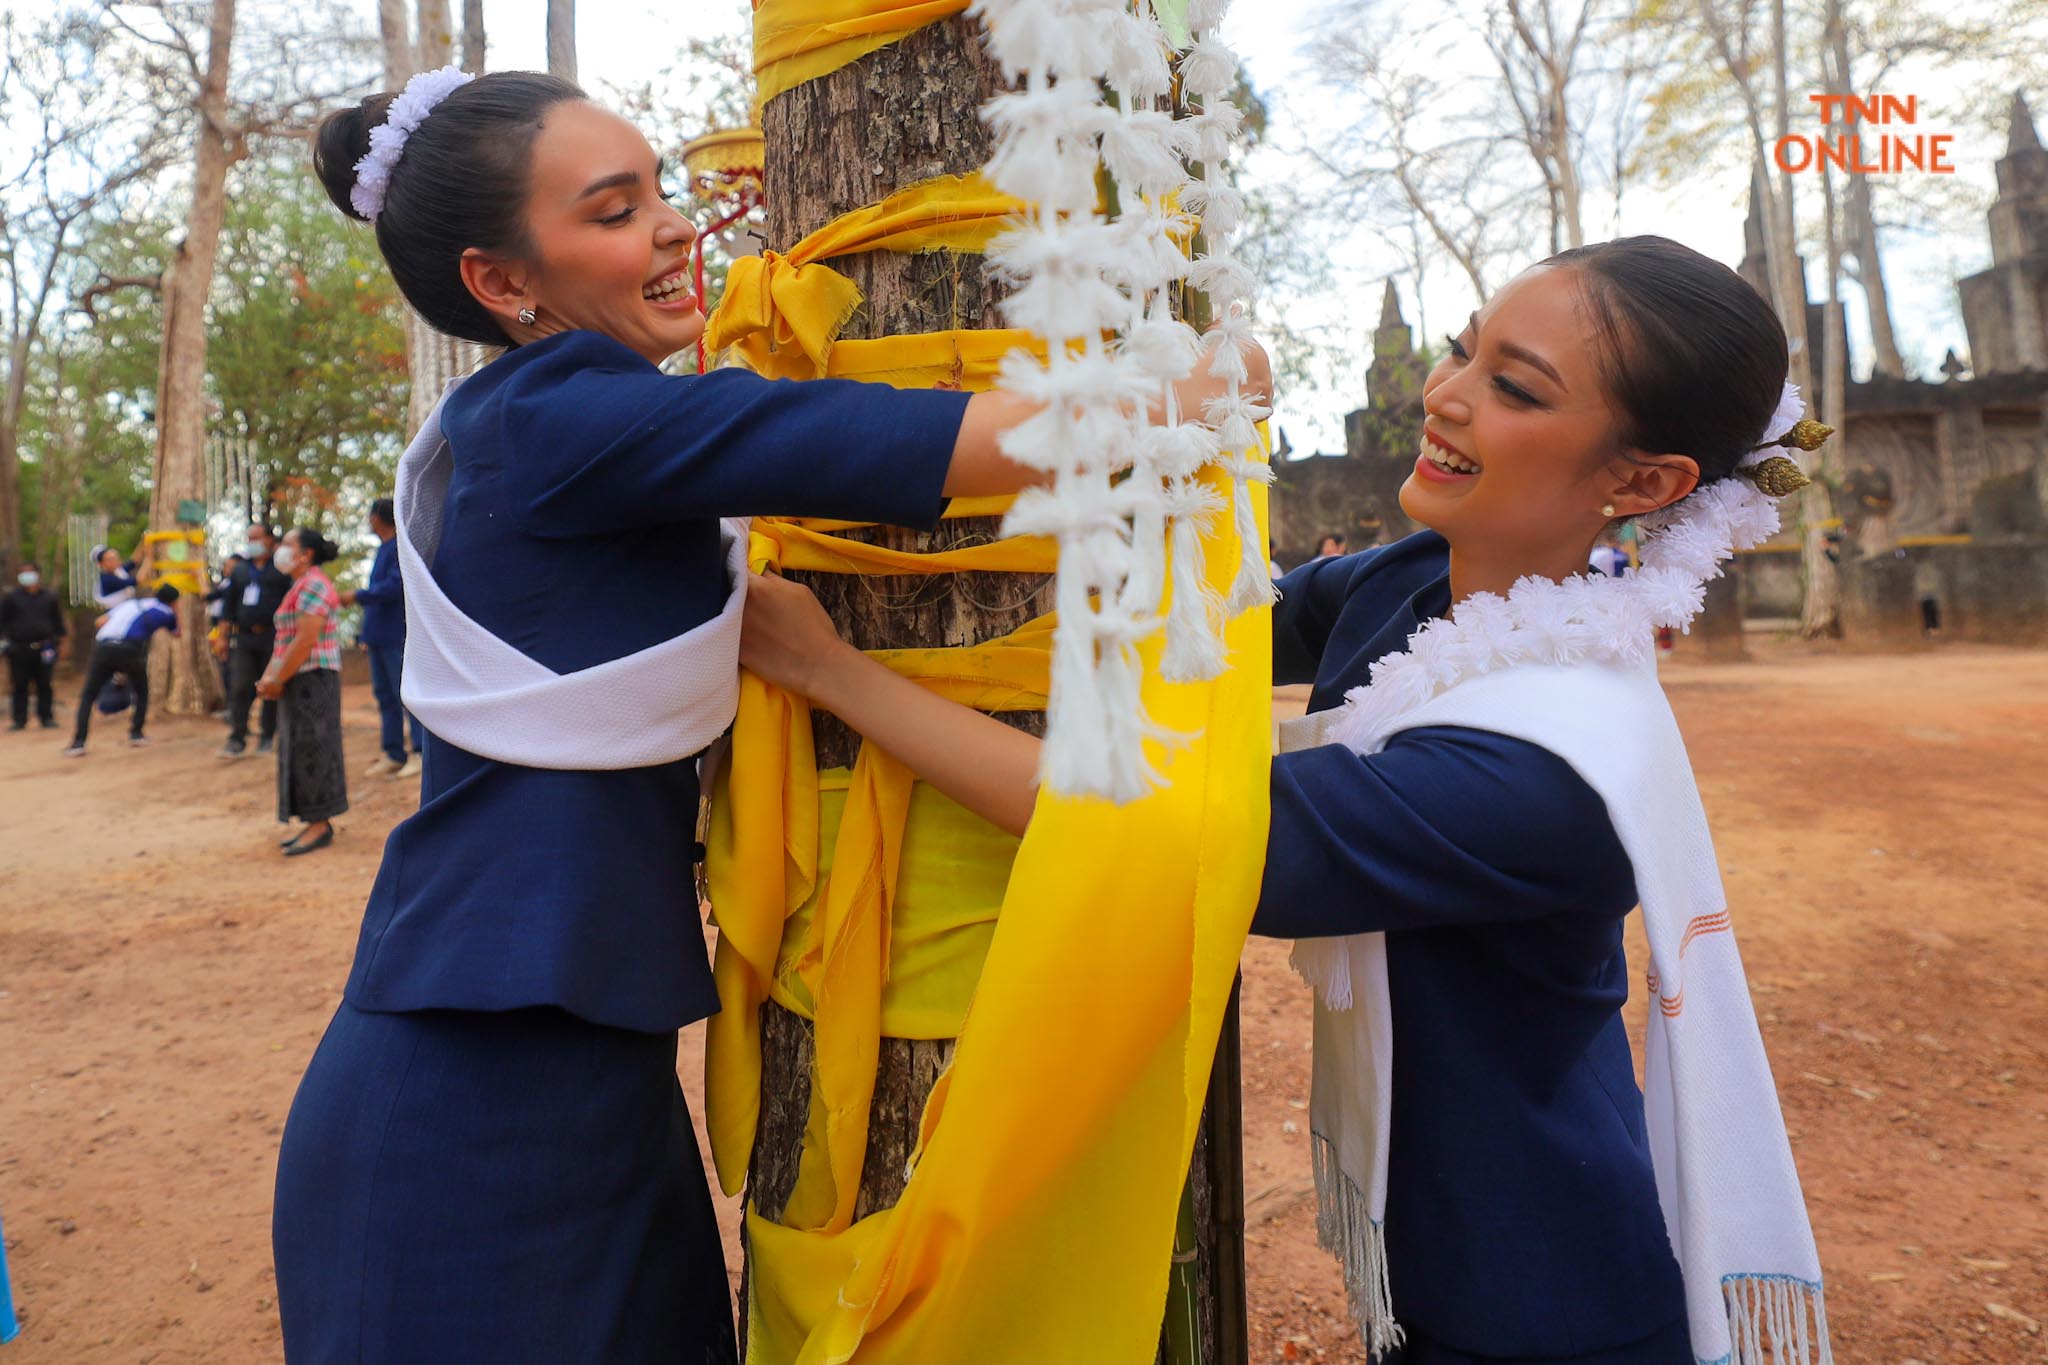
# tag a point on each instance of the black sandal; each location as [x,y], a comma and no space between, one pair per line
[297,848]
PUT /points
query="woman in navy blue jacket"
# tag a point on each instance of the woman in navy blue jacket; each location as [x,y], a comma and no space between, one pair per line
[1522,1219]
[489,1159]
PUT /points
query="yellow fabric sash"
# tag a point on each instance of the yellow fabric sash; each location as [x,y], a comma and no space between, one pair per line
[1038,1223]
[782,312]
[800,40]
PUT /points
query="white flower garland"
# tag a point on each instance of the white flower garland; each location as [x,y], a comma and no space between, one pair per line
[1546,622]
[1124,544]
[388,139]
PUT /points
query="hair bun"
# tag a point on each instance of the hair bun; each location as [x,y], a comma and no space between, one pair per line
[343,139]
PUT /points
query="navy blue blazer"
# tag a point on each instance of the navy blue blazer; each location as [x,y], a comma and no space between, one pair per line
[1522,1215]
[584,475]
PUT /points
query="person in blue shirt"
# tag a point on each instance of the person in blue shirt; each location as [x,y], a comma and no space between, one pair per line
[121,647]
[489,1159]
[116,582]
[1522,1219]
[382,599]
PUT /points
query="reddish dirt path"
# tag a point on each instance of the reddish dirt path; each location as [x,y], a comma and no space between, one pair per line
[163,977]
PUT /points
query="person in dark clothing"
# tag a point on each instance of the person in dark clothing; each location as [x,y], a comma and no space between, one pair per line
[218,630]
[32,632]
[383,635]
[253,594]
[122,647]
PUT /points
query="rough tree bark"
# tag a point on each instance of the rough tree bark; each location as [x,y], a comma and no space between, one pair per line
[182,674]
[905,113]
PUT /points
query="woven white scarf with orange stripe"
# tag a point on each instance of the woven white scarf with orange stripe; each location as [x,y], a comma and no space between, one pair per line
[1571,668]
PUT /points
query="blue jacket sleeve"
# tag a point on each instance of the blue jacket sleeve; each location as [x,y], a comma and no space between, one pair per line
[1311,598]
[384,588]
[1443,826]
[597,440]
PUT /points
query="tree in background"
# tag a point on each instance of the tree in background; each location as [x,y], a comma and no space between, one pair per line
[562,39]
[78,149]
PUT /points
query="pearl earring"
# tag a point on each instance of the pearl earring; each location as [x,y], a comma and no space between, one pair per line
[1607,510]
[527,317]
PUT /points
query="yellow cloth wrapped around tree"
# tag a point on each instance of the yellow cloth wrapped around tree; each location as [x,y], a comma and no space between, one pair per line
[783,311]
[1038,1222]
[800,40]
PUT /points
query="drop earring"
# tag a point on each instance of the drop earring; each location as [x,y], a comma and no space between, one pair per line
[1607,510]
[527,317]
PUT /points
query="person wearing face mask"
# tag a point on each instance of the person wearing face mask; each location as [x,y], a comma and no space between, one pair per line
[32,630]
[254,590]
[304,674]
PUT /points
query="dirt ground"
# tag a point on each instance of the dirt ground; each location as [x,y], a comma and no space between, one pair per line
[164,976]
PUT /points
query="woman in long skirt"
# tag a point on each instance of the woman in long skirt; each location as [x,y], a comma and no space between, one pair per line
[305,673]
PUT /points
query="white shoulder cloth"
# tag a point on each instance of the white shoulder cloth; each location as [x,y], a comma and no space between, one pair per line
[1570,668]
[475,691]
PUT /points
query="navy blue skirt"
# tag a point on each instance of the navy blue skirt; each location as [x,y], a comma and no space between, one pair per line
[1671,1346]
[495,1188]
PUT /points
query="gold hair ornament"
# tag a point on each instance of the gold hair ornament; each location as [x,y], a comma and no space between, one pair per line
[1776,477]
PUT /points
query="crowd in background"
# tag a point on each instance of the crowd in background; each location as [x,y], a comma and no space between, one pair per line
[274,626]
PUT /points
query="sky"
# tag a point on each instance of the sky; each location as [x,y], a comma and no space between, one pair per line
[621,42]
[626,40]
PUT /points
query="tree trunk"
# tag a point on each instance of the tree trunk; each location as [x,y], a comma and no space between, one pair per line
[562,39]
[431,359]
[182,672]
[1820,610]
[473,36]
[1861,234]
[436,35]
[900,115]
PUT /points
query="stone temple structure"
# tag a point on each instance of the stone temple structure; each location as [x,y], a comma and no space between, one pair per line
[1944,494]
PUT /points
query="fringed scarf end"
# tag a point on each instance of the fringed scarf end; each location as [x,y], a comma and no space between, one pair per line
[1347,1230]
[1774,1320]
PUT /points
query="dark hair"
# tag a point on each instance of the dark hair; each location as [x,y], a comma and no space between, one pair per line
[1337,536]
[167,594]
[1694,357]
[383,510]
[318,547]
[269,531]
[461,182]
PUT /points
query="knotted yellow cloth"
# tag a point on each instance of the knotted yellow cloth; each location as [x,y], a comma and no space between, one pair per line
[800,40]
[782,312]
[1039,1220]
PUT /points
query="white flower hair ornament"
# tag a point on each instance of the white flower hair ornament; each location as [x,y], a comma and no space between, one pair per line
[388,139]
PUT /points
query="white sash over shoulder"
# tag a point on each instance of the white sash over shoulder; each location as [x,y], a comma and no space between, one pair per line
[469,687]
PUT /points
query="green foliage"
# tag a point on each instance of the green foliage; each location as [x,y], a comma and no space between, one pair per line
[306,357]
[306,353]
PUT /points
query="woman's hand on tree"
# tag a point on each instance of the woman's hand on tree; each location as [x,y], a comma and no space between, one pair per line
[785,636]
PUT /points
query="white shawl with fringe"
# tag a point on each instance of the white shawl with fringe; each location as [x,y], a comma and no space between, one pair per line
[1568,667]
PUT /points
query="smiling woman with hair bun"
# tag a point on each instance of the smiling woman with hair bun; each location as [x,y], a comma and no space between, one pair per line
[489,1159]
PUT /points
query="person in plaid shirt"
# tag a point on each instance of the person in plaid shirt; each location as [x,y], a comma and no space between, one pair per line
[305,674]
